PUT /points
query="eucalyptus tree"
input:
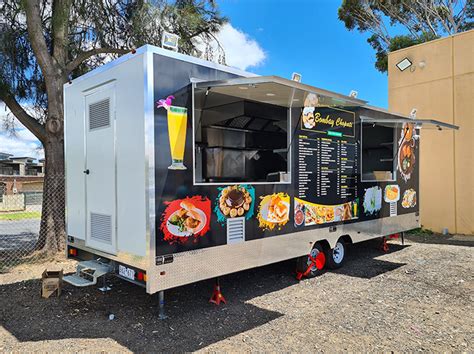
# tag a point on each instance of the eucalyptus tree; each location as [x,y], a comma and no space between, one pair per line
[421,20]
[46,43]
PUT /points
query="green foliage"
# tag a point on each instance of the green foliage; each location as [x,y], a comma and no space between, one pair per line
[420,231]
[423,20]
[396,43]
[20,215]
[115,24]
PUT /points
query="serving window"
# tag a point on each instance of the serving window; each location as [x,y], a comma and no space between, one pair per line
[240,140]
[379,143]
[244,128]
[378,147]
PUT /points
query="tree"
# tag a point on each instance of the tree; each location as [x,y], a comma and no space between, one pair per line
[423,20]
[46,43]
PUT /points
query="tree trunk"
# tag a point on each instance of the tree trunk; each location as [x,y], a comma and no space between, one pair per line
[52,236]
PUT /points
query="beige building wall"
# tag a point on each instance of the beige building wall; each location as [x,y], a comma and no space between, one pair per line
[442,89]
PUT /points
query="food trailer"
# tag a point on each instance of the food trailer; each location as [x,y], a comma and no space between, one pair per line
[180,169]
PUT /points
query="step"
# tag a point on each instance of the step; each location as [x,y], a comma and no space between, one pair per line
[87,273]
[78,281]
[99,267]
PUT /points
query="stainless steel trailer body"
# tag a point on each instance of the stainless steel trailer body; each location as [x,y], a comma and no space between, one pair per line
[263,179]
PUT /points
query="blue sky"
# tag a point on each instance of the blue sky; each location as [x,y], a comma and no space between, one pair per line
[279,37]
[307,37]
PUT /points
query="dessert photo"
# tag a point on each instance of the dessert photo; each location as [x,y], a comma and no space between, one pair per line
[235,201]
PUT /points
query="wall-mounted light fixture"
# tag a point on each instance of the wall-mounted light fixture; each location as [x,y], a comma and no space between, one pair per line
[296,77]
[404,64]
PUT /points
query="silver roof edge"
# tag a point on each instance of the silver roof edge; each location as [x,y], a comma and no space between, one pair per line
[147,48]
[434,122]
[282,81]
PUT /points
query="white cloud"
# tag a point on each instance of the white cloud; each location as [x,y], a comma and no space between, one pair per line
[241,51]
[24,143]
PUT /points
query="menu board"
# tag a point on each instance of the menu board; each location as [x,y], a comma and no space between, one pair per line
[327,157]
[327,169]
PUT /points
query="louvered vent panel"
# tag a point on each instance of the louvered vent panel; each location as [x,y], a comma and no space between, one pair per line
[235,230]
[101,228]
[99,114]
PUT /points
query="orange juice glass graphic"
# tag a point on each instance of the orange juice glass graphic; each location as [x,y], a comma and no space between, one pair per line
[177,120]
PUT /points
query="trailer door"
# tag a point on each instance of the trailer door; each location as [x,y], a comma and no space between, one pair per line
[100,169]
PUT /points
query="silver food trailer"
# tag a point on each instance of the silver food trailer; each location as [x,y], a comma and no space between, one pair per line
[180,169]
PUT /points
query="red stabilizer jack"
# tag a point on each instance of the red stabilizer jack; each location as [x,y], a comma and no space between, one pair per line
[394,236]
[384,245]
[217,296]
[318,261]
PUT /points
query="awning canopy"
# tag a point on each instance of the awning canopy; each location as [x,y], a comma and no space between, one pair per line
[419,123]
[276,91]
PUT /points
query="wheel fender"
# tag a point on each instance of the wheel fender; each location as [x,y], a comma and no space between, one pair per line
[346,238]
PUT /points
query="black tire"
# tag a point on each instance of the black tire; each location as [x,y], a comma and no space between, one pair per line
[303,262]
[336,256]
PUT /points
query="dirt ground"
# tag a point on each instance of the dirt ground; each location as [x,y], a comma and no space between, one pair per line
[416,297]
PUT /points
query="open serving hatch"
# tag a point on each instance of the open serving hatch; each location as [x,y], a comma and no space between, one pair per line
[275,90]
[242,127]
[382,137]
[397,119]
[419,123]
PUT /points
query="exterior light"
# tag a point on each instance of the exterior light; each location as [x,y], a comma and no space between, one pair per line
[296,77]
[353,94]
[170,41]
[270,94]
[404,64]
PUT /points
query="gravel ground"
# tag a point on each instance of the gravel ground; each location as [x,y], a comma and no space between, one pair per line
[416,297]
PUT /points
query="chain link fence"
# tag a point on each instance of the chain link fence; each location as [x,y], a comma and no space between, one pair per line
[23,201]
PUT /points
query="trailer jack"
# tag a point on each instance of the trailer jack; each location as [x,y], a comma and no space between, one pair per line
[384,245]
[161,299]
[217,296]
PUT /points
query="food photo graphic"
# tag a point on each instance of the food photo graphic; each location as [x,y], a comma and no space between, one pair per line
[186,219]
[372,200]
[392,193]
[409,198]
[274,211]
[235,201]
[307,213]
[406,151]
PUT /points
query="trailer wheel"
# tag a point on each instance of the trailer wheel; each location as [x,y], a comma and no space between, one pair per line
[335,257]
[303,262]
